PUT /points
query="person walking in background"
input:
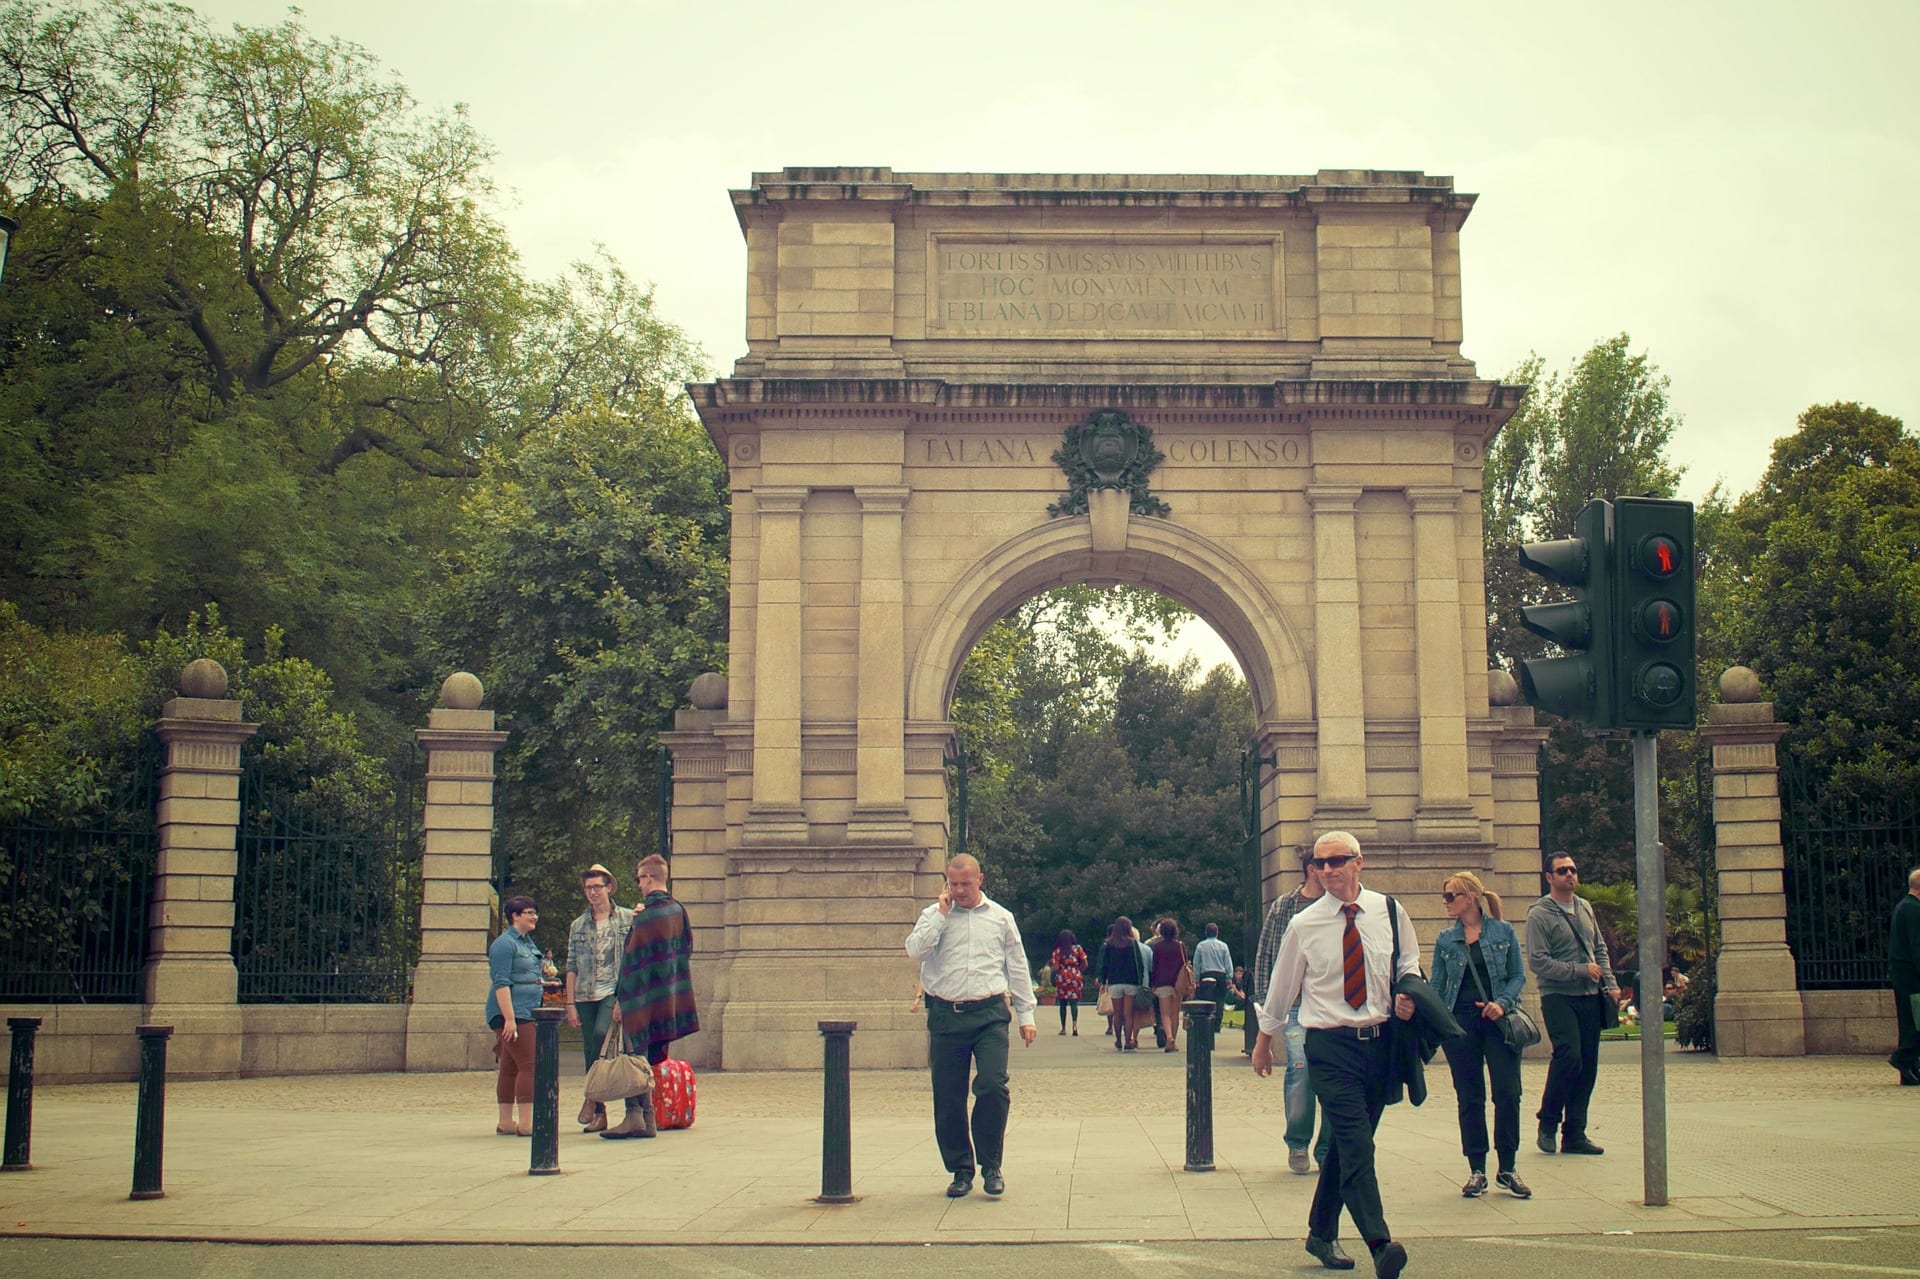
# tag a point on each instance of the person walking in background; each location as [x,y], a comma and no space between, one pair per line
[1903,961]
[594,942]
[1569,960]
[973,967]
[1212,965]
[1121,975]
[1069,973]
[656,984]
[1169,957]
[1337,961]
[1296,1092]
[1478,973]
[513,967]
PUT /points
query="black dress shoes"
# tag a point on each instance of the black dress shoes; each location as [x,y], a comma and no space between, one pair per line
[1545,1140]
[1389,1259]
[993,1183]
[1579,1146]
[1329,1253]
[962,1185]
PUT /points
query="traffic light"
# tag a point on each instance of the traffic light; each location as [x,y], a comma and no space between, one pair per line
[1579,685]
[1653,652]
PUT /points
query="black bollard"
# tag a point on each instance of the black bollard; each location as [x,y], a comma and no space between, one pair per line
[546,1091]
[19,1146]
[150,1114]
[836,1115]
[1199,1017]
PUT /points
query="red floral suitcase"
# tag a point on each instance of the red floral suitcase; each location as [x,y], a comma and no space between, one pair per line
[673,1094]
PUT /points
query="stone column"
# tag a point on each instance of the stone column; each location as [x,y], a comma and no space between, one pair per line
[1445,811]
[1339,690]
[189,981]
[1756,1009]
[1514,871]
[775,816]
[880,783]
[446,1023]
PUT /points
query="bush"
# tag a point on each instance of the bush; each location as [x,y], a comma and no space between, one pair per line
[1693,1019]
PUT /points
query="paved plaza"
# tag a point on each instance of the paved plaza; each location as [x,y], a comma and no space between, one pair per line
[1095,1150]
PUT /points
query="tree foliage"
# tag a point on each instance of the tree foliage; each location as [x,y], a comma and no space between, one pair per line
[1820,588]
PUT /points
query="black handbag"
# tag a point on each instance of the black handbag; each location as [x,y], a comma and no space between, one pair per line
[1516,1027]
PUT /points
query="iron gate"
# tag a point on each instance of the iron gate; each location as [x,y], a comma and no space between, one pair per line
[1847,859]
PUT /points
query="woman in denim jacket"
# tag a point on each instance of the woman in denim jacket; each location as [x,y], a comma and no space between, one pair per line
[1478,970]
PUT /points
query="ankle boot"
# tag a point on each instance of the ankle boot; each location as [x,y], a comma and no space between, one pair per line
[647,1117]
[587,1111]
[634,1125]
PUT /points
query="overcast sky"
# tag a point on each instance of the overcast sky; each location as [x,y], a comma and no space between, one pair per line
[1730,183]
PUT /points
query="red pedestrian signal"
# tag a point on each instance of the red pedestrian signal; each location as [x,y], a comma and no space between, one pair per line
[1653,651]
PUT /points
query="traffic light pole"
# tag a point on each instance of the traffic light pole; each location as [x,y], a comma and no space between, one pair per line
[1650,877]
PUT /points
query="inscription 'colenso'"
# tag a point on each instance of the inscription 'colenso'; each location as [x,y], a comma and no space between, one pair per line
[1002,450]
[1067,289]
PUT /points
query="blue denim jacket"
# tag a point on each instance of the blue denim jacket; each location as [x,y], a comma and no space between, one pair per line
[513,962]
[1499,946]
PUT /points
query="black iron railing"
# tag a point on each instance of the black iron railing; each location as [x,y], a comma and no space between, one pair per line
[1847,859]
[73,896]
[326,899]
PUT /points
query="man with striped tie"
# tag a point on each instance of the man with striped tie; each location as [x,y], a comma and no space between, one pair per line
[1337,960]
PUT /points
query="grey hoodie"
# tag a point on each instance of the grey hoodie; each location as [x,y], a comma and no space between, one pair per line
[1558,957]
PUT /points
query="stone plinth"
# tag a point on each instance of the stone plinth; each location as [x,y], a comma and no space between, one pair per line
[1757,1009]
[189,981]
[446,1025]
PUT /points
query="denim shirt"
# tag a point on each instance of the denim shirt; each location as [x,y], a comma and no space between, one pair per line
[513,961]
[1499,946]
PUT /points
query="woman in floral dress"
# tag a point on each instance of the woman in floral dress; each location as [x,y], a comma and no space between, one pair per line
[1069,973]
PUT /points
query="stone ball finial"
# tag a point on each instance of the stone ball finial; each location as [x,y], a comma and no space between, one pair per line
[203,677]
[708,692]
[461,692]
[1502,688]
[1739,684]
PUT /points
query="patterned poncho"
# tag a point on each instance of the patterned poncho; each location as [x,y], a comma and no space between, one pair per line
[656,974]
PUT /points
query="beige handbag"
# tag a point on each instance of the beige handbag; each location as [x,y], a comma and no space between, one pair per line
[617,1074]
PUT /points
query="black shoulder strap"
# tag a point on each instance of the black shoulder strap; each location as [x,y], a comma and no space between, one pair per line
[1393,922]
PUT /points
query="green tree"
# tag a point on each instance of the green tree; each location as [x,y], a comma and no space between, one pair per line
[1820,587]
[588,588]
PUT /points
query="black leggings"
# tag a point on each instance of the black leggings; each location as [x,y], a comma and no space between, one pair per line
[1064,1005]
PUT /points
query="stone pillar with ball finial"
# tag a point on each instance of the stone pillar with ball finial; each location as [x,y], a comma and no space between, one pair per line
[1757,1010]
[189,981]
[446,1023]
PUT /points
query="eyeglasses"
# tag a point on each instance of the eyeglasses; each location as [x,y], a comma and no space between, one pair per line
[1330,863]
[1450,898]
[1564,870]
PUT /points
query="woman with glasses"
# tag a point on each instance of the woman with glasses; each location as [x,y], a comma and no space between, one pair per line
[513,965]
[1477,969]
[593,970]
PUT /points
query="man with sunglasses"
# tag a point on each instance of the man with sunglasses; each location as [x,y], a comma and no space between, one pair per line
[1568,957]
[1337,960]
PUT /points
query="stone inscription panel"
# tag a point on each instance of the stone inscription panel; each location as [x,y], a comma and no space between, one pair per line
[1073,288]
[1180,450]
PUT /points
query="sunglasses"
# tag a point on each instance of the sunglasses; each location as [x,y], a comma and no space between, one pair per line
[1330,863]
[1564,870]
[1450,898]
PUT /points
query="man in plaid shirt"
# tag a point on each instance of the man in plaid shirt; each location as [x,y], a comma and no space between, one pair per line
[1297,1096]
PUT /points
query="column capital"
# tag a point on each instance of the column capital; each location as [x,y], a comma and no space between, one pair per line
[1741,724]
[1333,498]
[1434,499]
[780,499]
[880,499]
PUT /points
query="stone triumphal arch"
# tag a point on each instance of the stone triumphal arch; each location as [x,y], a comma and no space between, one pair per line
[962,389]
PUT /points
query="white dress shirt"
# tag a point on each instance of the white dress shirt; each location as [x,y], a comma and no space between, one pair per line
[1311,965]
[973,954]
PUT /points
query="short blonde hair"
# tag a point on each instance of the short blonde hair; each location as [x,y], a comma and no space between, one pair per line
[1467,882]
[1340,837]
[654,864]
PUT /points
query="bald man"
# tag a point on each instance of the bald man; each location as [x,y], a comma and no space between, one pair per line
[974,970]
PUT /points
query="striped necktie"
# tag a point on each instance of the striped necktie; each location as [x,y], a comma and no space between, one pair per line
[1356,989]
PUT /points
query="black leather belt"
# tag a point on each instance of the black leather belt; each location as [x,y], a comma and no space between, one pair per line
[1352,1032]
[964,1005]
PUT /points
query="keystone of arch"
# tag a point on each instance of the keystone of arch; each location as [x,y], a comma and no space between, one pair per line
[1160,555]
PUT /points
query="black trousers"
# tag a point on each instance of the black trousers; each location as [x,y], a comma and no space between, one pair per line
[1480,1056]
[1907,1052]
[1349,1079]
[958,1044]
[1573,1024]
[1212,987]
